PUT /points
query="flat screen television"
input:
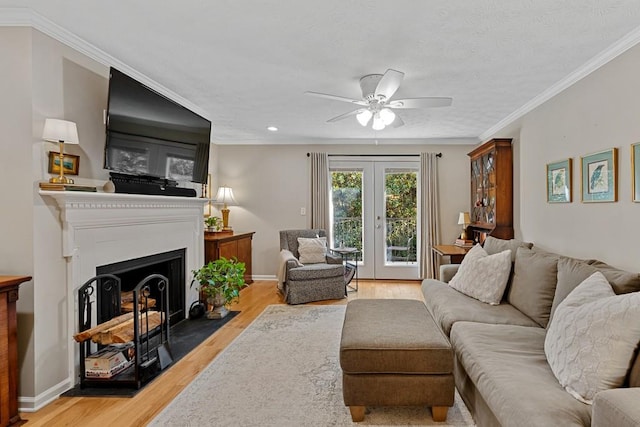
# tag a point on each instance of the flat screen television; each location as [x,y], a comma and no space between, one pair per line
[150,135]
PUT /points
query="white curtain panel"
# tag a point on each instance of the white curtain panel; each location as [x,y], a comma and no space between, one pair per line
[319,191]
[430,221]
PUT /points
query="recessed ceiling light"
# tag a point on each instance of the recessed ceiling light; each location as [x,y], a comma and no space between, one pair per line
[272,128]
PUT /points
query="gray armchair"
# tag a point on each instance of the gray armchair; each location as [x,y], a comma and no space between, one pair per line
[310,282]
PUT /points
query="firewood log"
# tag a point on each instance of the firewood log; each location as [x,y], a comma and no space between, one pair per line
[123,332]
[85,335]
[128,306]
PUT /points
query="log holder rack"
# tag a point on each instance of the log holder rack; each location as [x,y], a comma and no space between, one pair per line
[99,300]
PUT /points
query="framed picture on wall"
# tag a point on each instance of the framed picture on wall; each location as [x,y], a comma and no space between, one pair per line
[599,176]
[635,172]
[559,181]
[70,162]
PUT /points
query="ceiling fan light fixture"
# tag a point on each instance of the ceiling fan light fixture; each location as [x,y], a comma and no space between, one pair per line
[387,116]
[377,101]
[378,123]
[364,116]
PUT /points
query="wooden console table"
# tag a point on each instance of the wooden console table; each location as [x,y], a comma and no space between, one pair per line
[226,245]
[9,349]
[455,253]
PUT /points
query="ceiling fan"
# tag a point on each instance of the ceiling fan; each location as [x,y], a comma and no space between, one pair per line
[377,90]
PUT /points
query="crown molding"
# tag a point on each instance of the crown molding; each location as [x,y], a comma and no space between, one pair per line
[25,17]
[613,51]
[472,140]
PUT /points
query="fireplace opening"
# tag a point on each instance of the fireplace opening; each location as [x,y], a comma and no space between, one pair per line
[170,264]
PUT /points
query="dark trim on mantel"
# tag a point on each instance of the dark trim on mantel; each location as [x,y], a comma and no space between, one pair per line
[375,155]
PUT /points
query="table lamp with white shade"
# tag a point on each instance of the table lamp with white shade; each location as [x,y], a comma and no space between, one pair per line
[464,219]
[61,132]
[225,198]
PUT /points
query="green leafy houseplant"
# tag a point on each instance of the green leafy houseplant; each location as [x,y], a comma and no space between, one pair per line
[221,281]
[213,223]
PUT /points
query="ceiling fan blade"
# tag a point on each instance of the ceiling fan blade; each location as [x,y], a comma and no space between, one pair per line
[336,98]
[426,102]
[397,122]
[345,115]
[389,83]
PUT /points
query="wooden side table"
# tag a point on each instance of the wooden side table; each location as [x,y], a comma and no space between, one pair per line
[455,253]
[230,245]
[9,349]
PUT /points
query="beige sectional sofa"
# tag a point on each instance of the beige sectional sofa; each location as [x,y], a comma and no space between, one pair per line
[501,370]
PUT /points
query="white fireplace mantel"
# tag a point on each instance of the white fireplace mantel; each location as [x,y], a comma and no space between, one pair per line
[105,228]
[82,210]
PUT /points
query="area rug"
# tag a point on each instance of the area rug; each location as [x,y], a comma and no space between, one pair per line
[283,370]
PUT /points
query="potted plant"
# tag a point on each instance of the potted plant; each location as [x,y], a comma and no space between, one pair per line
[221,281]
[213,223]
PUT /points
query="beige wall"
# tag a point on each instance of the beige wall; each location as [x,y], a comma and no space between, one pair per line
[66,85]
[46,79]
[271,184]
[16,211]
[597,113]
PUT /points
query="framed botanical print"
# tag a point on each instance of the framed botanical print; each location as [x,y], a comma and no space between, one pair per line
[559,181]
[635,172]
[599,176]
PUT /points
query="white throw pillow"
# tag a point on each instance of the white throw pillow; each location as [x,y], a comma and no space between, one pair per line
[592,338]
[482,276]
[312,250]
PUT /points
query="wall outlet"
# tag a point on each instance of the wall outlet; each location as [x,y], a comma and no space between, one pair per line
[303,211]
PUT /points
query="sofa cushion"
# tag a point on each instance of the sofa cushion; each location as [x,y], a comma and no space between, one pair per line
[617,408]
[534,283]
[448,306]
[634,373]
[591,342]
[316,271]
[482,276]
[494,245]
[312,250]
[621,281]
[571,272]
[509,369]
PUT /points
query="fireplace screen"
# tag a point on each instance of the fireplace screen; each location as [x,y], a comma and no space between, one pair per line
[131,272]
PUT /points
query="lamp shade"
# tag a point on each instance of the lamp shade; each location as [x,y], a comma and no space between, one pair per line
[364,116]
[60,131]
[464,218]
[225,197]
[378,123]
[387,116]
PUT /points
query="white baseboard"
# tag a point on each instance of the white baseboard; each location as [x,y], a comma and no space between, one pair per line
[264,277]
[32,404]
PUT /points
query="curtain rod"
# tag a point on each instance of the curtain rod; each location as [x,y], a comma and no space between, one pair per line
[375,155]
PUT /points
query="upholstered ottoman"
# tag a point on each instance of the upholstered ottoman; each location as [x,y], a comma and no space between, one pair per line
[393,354]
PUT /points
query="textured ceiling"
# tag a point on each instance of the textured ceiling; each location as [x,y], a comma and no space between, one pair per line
[246,64]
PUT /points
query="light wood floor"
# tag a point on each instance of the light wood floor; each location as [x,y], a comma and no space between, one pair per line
[139,410]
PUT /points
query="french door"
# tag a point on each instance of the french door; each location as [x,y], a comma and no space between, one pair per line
[375,208]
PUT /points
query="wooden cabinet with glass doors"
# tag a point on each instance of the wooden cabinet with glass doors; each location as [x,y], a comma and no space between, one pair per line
[492,190]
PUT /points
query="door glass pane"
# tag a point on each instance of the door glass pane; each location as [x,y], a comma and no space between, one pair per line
[400,213]
[346,208]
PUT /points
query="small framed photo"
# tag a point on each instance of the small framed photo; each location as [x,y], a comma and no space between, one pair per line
[70,162]
[599,176]
[559,181]
[635,172]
